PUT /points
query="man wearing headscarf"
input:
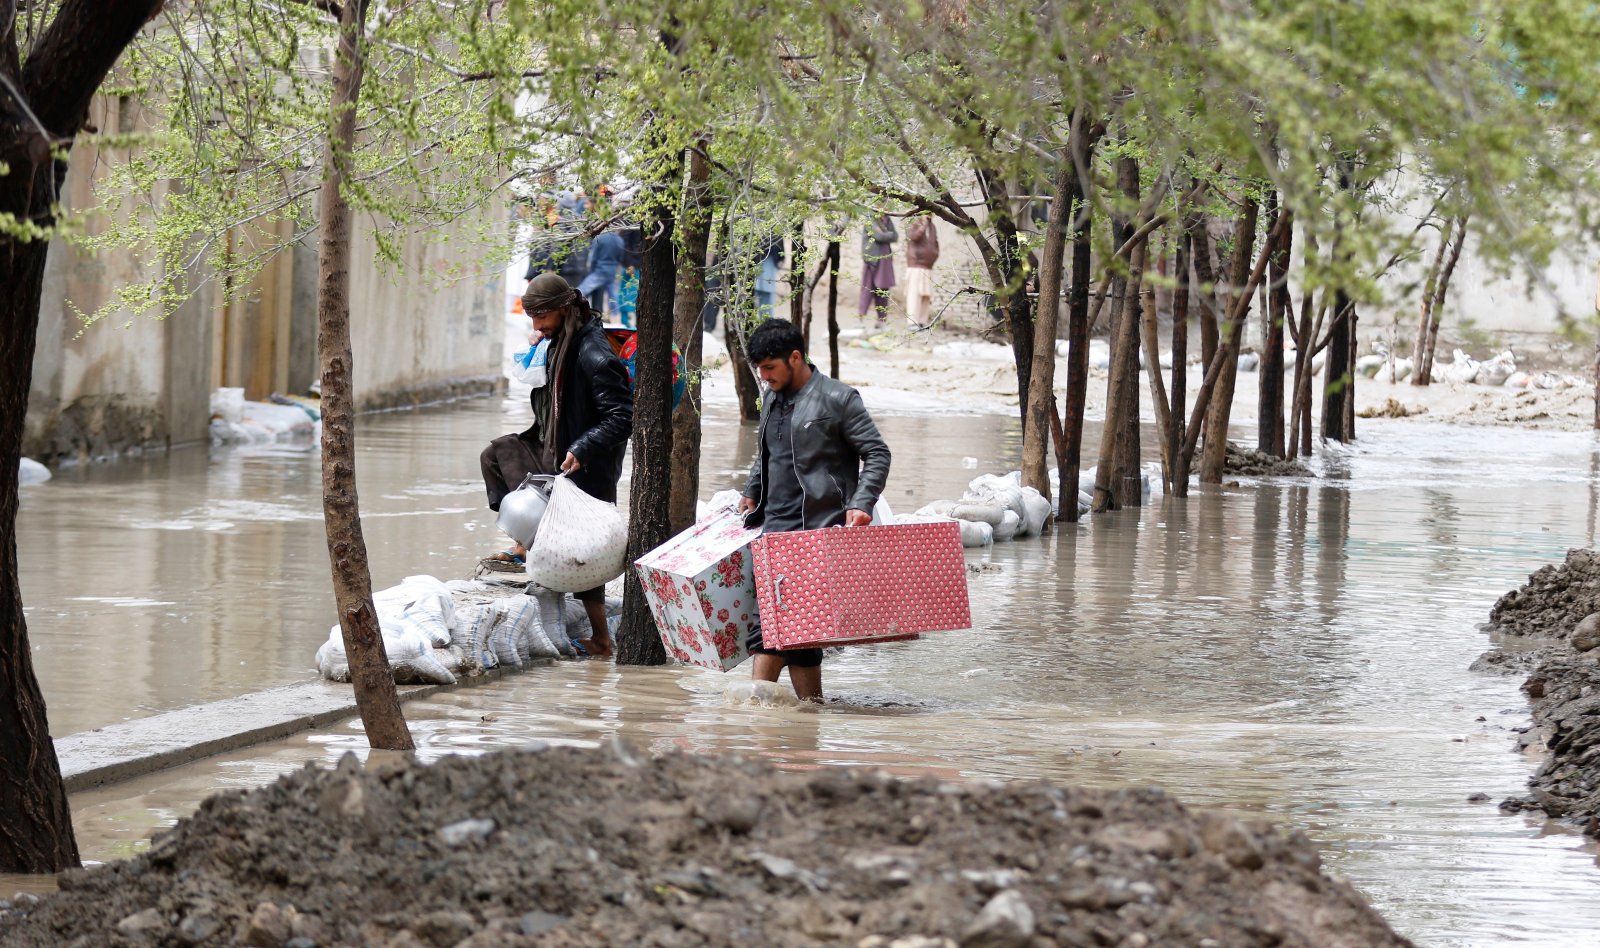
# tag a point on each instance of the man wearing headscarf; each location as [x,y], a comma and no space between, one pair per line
[582,419]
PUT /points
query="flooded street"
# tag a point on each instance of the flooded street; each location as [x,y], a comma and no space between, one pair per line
[1297,650]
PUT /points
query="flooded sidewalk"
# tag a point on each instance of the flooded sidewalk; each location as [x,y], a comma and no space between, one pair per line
[1297,650]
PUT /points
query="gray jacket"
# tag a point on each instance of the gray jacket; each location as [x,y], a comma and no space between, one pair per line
[841,461]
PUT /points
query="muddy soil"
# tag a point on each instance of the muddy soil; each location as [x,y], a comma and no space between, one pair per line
[1244,462]
[572,847]
[1557,610]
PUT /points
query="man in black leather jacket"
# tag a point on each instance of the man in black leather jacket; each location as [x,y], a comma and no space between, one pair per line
[821,463]
[582,419]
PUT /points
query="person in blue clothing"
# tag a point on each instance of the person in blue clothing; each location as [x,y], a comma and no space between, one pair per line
[605,259]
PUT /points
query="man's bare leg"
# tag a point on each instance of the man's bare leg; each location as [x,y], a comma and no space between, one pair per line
[807,682]
[599,644]
[766,667]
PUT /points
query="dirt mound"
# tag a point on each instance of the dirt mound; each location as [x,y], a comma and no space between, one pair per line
[1247,463]
[1391,408]
[1563,685]
[1555,599]
[569,847]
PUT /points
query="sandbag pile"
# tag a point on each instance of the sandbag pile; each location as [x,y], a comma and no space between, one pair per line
[993,510]
[434,632]
[1465,370]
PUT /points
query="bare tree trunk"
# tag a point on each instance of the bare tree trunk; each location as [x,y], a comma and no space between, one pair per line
[834,254]
[1041,392]
[1180,358]
[64,67]
[1220,409]
[1440,292]
[1421,351]
[687,303]
[1077,337]
[797,279]
[341,512]
[1158,388]
[649,513]
[1206,276]
[1012,266]
[1269,416]
[1337,379]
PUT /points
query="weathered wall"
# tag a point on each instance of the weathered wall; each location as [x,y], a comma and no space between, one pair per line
[421,332]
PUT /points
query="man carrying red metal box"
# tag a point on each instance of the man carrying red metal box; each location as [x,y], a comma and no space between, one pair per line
[821,464]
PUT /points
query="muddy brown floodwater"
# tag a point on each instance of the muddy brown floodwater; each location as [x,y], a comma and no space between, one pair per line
[1296,649]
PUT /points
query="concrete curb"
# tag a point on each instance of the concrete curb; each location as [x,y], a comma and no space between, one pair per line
[131,749]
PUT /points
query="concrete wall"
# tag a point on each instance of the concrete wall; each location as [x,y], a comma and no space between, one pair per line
[421,332]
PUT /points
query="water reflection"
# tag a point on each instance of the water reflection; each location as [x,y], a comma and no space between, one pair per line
[1298,649]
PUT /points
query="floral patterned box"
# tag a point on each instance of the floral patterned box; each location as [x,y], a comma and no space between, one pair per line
[702,591]
[856,585]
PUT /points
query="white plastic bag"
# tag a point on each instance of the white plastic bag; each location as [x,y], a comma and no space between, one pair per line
[974,533]
[528,366]
[582,541]
[1039,511]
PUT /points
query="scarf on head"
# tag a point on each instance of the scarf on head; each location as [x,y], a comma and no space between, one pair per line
[547,400]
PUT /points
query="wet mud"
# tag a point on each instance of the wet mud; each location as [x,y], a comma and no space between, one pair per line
[1248,463]
[585,847]
[1558,611]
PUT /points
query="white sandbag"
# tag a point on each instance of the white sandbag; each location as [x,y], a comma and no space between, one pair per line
[228,404]
[422,593]
[577,618]
[979,513]
[1400,369]
[422,617]
[582,541]
[974,533]
[32,472]
[1368,365]
[1037,514]
[1463,371]
[939,508]
[519,630]
[1497,370]
[1249,361]
[553,621]
[1009,525]
[1520,380]
[332,663]
[882,515]
[412,658]
[469,631]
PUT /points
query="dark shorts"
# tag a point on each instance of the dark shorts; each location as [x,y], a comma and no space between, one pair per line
[798,657]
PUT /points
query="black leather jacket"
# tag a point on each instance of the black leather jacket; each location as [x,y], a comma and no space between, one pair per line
[596,417]
[840,459]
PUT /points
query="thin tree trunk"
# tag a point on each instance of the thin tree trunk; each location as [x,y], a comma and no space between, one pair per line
[834,254]
[1269,415]
[1421,351]
[370,673]
[744,380]
[1011,265]
[687,304]
[1128,454]
[1180,358]
[797,279]
[1077,338]
[1220,409]
[64,67]
[1441,291]
[1158,388]
[1206,276]
[1036,433]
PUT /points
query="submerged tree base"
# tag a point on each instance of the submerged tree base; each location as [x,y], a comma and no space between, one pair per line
[572,847]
